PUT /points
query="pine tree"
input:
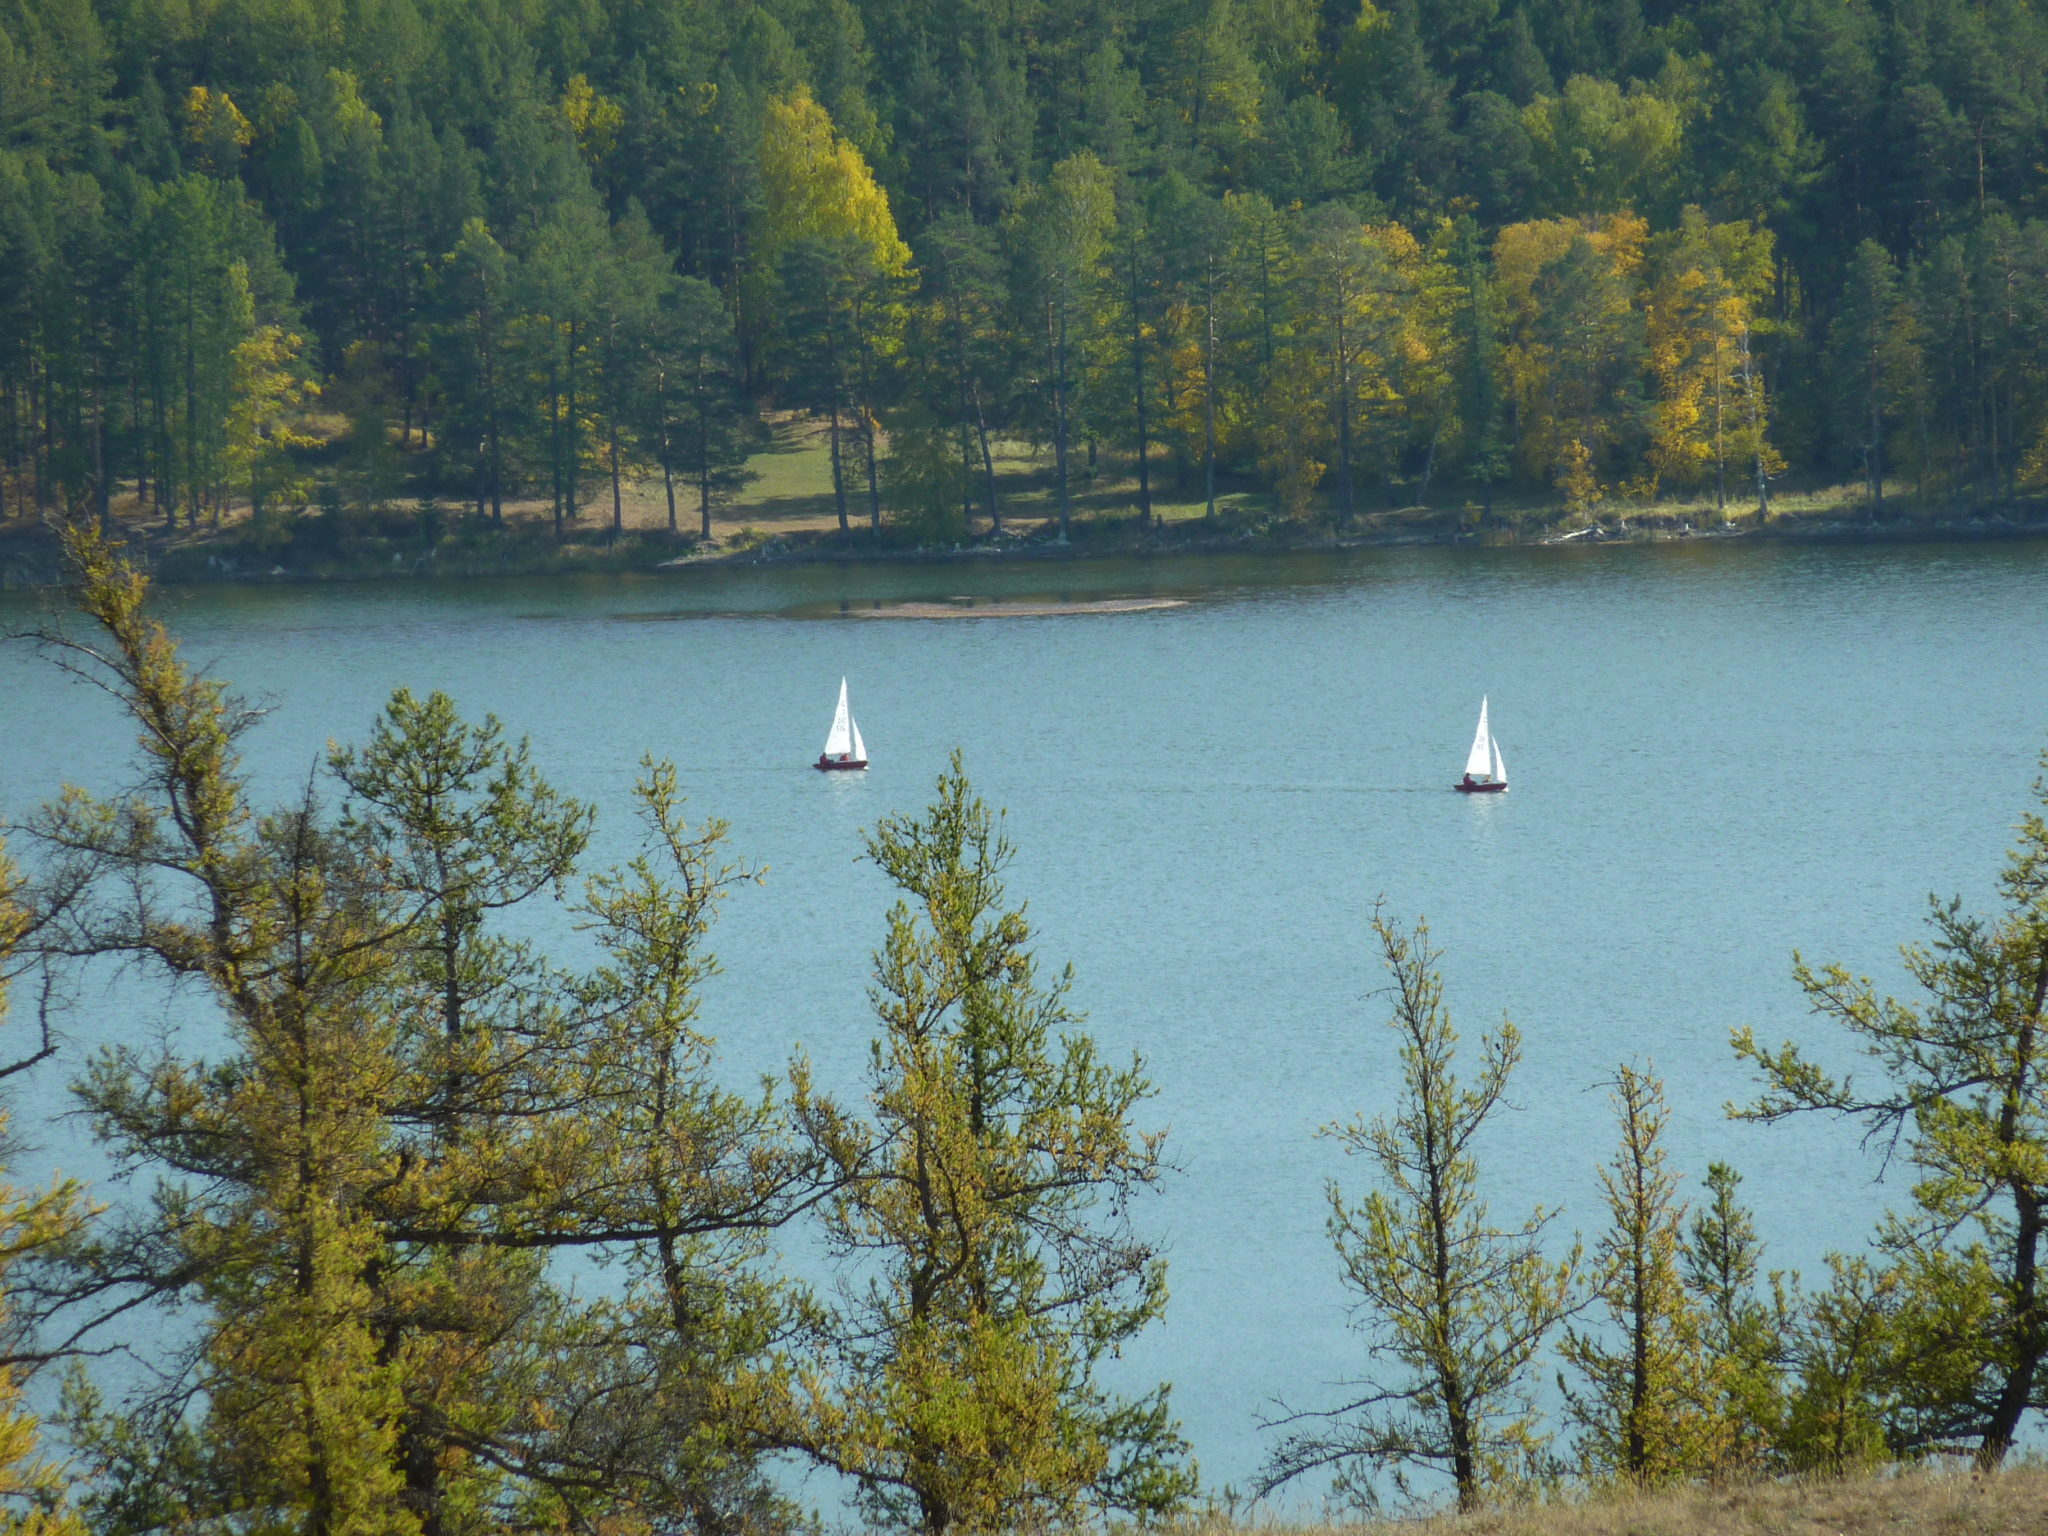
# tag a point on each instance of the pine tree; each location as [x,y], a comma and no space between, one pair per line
[698,421]
[1844,1348]
[964,280]
[1874,361]
[560,304]
[416,1112]
[474,369]
[1061,236]
[634,280]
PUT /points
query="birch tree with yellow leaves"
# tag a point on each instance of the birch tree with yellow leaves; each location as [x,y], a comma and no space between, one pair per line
[825,243]
[1574,351]
[1711,408]
[268,395]
[1367,333]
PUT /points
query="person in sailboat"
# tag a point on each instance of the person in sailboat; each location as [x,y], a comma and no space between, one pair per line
[843,747]
[1486,772]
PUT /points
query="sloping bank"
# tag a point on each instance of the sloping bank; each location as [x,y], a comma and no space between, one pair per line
[1947,1501]
[28,551]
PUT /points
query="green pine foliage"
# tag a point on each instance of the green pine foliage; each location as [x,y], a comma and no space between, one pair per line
[1097,229]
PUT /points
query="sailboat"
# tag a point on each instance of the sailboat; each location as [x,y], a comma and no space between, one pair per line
[844,750]
[1486,772]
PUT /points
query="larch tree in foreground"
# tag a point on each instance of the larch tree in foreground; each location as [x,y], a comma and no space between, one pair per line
[985,1225]
[32,1488]
[356,1206]
[1962,1088]
[1454,1308]
[1642,1404]
[1722,1265]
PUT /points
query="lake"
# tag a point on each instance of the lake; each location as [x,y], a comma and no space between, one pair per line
[1720,752]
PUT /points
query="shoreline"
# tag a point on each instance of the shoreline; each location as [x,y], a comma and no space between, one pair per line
[28,557]
[1005,608]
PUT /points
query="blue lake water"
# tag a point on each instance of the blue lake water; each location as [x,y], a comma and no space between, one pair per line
[1719,753]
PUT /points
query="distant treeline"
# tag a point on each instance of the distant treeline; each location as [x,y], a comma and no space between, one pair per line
[451,1236]
[1345,255]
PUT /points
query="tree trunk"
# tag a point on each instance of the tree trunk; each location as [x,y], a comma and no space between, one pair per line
[489,357]
[572,467]
[1209,402]
[1345,496]
[988,464]
[838,473]
[2030,1315]
[867,432]
[555,438]
[1720,463]
[1056,327]
[618,500]
[102,492]
[1138,397]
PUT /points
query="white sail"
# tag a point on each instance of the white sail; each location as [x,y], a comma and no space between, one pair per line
[1500,766]
[840,741]
[860,748]
[1479,761]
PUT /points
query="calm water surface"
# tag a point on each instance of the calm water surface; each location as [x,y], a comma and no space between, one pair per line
[1719,753]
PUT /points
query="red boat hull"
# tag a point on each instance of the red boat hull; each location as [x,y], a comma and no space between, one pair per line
[838,764]
[1473,787]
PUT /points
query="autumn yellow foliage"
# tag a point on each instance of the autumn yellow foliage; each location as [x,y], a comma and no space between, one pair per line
[815,184]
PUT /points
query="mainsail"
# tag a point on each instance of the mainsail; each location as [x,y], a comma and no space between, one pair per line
[841,740]
[1480,761]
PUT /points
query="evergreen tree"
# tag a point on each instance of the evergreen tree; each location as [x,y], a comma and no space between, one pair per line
[964,282]
[698,421]
[561,306]
[1874,361]
[475,371]
[268,914]
[633,282]
[1061,236]
[416,1112]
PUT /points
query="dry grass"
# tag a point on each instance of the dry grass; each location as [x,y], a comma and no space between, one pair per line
[1943,1502]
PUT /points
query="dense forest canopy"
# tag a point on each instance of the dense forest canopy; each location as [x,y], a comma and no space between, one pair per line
[1327,252]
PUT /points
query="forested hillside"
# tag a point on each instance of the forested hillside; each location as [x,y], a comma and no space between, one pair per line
[268,254]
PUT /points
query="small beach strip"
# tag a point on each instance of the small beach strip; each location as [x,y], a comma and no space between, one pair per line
[1018,608]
